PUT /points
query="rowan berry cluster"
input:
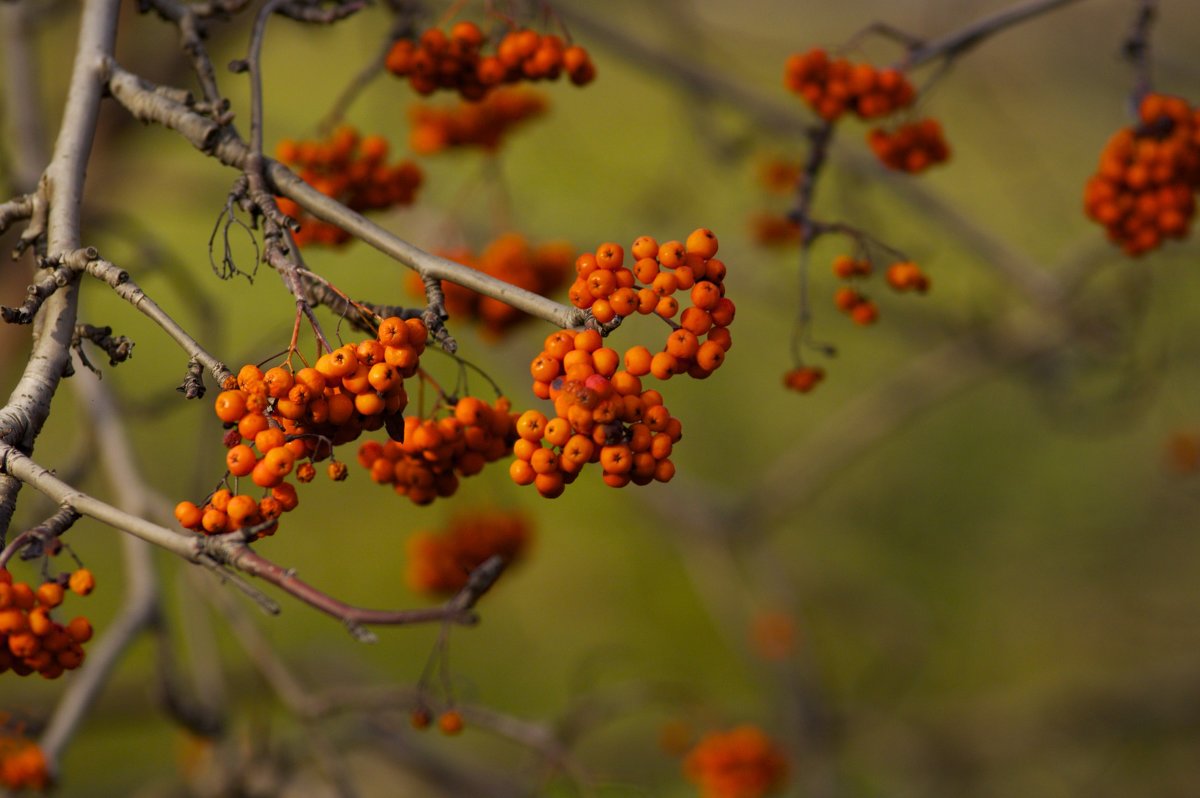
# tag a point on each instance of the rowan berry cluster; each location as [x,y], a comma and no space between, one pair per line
[601,415]
[351,169]
[456,61]
[602,412]
[1143,190]
[905,275]
[834,86]
[542,269]
[803,378]
[22,763]
[31,641]
[912,147]
[441,563]
[611,289]
[482,124]
[900,275]
[427,456]
[280,421]
[740,763]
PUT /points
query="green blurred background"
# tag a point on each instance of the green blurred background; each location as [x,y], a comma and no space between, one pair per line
[993,589]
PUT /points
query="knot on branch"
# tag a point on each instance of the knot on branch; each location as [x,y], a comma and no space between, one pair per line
[435,314]
[193,383]
[118,348]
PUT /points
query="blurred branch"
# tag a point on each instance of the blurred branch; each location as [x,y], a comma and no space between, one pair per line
[140,608]
[954,44]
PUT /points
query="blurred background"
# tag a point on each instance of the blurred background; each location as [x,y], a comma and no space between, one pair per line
[966,564]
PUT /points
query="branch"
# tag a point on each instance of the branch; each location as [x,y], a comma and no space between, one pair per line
[141,99]
[119,280]
[960,41]
[28,407]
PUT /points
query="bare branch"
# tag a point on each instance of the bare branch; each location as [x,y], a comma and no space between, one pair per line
[136,95]
[120,281]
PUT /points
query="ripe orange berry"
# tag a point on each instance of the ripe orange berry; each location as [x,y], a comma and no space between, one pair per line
[637,360]
[667,307]
[450,722]
[278,381]
[531,425]
[50,594]
[240,460]
[682,344]
[82,582]
[230,406]
[702,242]
[609,256]
[188,515]
[242,510]
[270,438]
[710,355]
[521,472]
[662,365]
[80,629]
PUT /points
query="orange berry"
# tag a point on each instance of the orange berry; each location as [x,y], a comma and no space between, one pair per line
[393,331]
[710,355]
[80,629]
[638,360]
[50,594]
[82,582]
[662,365]
[682,344]
[521,472]
[531,425]
[230,406]
[702,242]
[240,460]
[188,515]
[450,722]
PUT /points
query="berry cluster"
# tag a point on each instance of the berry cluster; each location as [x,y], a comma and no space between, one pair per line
[900,275]
[542,269]
[856,305]
[911,147]
[1143,191]
[280,421]
[832,87]
[352,170]
[482,124]
[904,275]
[30,639]
[803,378]
[425,458]
[22,763]
[610,289]
[455,61]
[441,563]
[740,763]
[601,415]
